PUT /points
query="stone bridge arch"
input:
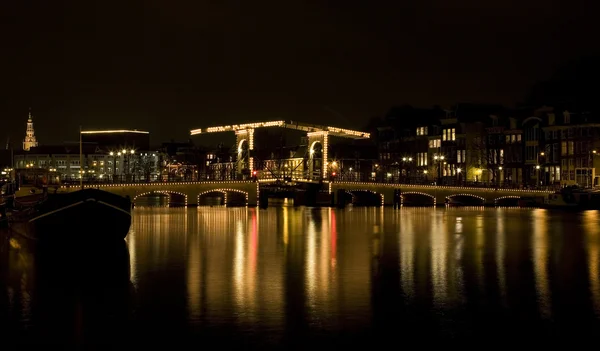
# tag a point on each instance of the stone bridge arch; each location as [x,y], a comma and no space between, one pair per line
[225,193]
[505,199]
[163,192]
[417,193]
[380,201]
[481,199]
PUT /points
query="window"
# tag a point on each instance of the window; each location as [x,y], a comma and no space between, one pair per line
[571,148]
[518,137]
[460,156]
[508,139]
[422,131]
[449,134]
[563,148]
[435,143]
[422,159]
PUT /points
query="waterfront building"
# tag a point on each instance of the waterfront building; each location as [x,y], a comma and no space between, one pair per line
[107,155]
[470,143]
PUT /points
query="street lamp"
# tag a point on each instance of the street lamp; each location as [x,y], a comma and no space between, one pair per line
[439,159]
[591,168]
[538,166]
[500,175]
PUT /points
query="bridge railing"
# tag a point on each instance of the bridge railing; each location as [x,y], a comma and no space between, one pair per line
[133,179]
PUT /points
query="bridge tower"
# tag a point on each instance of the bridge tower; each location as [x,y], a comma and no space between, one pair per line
[318,143]
[244,141]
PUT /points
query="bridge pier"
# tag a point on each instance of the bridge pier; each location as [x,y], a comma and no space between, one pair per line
[397,200]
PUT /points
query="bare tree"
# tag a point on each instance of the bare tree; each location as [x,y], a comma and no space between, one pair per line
[143,167]
[487,154]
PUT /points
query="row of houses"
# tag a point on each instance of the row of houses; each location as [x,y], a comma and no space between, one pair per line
[489,144]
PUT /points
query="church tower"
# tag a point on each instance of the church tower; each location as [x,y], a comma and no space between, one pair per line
[29,141]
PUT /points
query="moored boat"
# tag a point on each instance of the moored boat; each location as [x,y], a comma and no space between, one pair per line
[573,198]
[88,215]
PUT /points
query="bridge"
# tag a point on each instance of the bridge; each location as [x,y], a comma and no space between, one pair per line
[383,193]
[246,193]
[185,193]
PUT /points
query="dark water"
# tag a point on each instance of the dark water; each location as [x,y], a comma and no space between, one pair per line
[310,278]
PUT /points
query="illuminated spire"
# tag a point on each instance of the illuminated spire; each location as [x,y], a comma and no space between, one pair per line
[30,140]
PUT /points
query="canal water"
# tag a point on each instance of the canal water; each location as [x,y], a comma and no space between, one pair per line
[313,277]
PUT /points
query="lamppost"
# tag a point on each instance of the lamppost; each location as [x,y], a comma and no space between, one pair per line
[406,160]
[500,177]
[537,167]
[591,168]
[438,160]
[458,170]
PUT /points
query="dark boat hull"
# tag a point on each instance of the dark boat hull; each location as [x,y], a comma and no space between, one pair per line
[89,215]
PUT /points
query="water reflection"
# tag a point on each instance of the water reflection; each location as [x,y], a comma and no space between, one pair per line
[318,276]
[61,295]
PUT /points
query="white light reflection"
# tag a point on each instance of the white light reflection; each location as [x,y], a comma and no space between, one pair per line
[238,265]
[407,250]
[311,258]
[479,250]
[439,259]
[592,232]
[130,240]
[194,276]
[501,255]
[540,261]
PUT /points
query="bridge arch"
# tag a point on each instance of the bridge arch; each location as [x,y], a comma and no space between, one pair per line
[465,195]
[501,198]
[163,192]
[417,193]
[371,193]
[226,197]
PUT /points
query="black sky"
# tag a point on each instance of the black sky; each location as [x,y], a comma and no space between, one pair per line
[170,66]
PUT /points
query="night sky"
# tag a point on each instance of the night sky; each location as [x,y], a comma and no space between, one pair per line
[170,66]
